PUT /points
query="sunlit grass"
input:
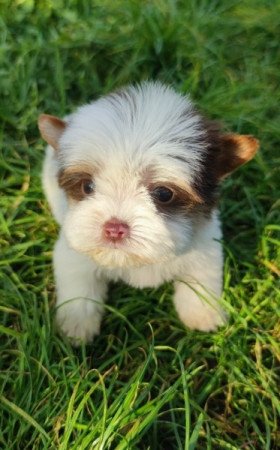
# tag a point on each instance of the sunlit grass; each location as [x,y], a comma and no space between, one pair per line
[146,382]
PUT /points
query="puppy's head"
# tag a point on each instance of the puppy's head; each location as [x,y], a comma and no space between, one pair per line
[140,169]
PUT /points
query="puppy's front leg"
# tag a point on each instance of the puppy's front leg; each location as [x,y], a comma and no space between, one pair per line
[80,294]
[197,308]
[197,302]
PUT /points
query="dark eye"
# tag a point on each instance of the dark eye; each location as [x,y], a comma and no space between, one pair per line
[162,194]
[87,187]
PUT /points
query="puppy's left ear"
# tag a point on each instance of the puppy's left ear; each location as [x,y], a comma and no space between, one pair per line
[51,129]
[235,150]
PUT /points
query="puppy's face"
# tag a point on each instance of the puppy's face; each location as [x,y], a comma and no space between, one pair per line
[140,169]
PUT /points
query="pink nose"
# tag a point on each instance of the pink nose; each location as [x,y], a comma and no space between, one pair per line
[114,230]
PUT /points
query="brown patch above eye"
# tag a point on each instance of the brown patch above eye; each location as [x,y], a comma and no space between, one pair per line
[183,193]
[72,181]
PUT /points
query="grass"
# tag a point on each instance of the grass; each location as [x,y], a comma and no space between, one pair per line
[146,382]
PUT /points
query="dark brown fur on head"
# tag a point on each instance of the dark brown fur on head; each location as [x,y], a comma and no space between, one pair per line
[224,153]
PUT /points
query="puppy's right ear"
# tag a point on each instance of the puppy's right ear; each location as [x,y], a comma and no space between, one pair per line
[51,129]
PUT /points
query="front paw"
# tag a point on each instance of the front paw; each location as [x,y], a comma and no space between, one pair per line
[79,320]
[197,308]
[204,318]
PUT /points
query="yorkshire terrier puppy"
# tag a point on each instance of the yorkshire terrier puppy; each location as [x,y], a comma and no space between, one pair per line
[132,180]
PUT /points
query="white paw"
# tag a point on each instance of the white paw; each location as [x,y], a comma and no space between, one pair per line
[203,317]
[79,320]
[196,311]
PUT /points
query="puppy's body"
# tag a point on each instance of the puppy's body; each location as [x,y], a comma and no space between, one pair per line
[132,180]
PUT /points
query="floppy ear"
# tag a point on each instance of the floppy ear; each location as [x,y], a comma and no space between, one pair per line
[51,129]
[234,150]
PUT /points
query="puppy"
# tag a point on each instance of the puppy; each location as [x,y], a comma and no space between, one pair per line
[132,180]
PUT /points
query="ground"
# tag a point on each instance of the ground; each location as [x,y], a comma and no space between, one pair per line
[146,382]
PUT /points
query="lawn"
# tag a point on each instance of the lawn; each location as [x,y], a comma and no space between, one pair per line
[146,382]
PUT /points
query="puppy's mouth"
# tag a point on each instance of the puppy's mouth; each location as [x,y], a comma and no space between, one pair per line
[115,255]
[114,244]
[126,252]
[119,249]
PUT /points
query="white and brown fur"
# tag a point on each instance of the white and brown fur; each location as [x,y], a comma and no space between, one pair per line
[129,143]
